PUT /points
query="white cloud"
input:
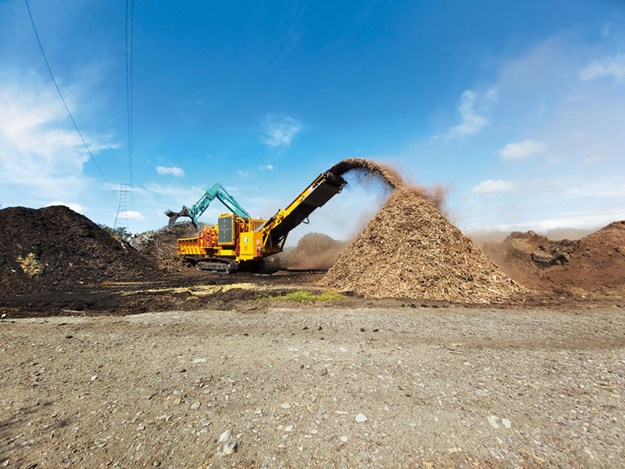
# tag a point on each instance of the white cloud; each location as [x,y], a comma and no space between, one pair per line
[116,187]
[471,113]
[576,147]
[493,186]
[492,94]
[267,167]
[243,174]
[41,156]
[610,66]
[186,193]
[604,190]
[578,220]
[171,170]
[74,206]
[131,215]
[280,131]
[521,150]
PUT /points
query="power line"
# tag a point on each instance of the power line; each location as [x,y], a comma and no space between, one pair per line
[32,21]
[130,17]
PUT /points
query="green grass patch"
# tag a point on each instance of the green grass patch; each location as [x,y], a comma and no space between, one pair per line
[305,295]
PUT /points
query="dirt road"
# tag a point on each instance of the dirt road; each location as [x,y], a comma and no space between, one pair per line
[315,387]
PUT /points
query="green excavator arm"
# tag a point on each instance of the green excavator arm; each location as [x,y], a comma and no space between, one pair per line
[196,210]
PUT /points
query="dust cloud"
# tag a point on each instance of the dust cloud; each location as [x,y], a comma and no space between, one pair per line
[556,234]
[438,195]
[314,251]
[366,172]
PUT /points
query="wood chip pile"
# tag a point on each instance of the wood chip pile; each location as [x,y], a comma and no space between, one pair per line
[411,250]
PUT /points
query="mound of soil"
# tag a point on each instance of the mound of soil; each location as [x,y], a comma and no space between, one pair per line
[314,251]
[56,248]
[598,263]
[411,250]
[161,244]
[595,263]
[524,256]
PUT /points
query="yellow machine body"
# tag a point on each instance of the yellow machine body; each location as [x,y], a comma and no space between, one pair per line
[236,240]
[232,238]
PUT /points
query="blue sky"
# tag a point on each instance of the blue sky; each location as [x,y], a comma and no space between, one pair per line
[516,108]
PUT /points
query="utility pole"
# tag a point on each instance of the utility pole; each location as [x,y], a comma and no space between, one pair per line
[121,218]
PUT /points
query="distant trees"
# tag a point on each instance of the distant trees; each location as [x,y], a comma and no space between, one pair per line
[120,232]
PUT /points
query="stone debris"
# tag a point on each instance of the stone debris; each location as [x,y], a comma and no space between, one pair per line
[225,436]
[230,445]
[493,420]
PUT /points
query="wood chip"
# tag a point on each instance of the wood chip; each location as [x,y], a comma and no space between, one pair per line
[411,250]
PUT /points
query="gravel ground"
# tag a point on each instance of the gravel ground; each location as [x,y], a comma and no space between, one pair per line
[301,387]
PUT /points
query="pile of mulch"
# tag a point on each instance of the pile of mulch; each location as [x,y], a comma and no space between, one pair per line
[161,245]
[594,264]
[314,251]
[411,250]
[55,248]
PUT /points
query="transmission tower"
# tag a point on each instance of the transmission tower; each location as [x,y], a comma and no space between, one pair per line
[121,218]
